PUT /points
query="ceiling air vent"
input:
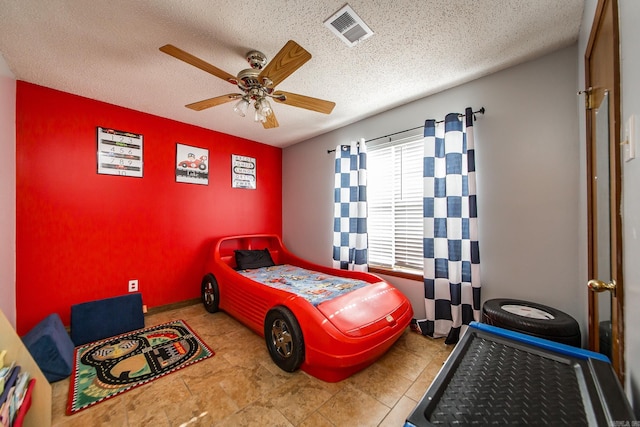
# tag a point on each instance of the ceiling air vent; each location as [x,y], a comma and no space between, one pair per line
[348,26]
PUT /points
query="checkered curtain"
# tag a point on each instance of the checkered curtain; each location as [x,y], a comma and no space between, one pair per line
[451,255]
[350,208]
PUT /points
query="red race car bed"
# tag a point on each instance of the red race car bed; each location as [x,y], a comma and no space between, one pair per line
[330,323]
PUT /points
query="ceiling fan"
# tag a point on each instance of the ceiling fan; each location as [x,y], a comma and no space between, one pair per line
[258,83]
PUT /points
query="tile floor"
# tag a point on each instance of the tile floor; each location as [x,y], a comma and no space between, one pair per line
[241,386]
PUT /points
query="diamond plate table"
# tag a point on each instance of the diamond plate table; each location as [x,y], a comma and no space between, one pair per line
[499,377]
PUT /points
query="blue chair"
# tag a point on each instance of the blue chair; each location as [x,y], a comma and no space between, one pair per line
[51,348]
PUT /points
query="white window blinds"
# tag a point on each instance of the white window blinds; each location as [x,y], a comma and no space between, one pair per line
[395,193]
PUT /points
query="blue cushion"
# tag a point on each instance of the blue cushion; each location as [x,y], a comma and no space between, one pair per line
[96,320]
[51,348]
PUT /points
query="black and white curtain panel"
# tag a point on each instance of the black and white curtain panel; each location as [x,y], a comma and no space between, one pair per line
[451,254]
[350,246]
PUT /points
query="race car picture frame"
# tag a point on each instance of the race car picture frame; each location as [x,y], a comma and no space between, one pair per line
[192,164]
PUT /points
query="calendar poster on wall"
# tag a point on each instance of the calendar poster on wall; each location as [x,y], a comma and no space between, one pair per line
[119,153]
[243,172]
[192,164]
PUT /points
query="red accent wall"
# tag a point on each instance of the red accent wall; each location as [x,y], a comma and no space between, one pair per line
[81,236]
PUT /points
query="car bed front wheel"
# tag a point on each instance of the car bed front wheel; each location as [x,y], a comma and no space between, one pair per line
[284,339]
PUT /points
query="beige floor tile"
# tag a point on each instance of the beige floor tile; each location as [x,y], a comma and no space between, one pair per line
[205,369]
[248,385]
[247,355]
[399,413]
[148,402]
[111,412]
[316,420]
[402,362]
[299,397]
[150,417]
[381,383]
[421,345]
[256,415]
[422,383]
[352,407]
[216,405]
[183,412]
[59,394]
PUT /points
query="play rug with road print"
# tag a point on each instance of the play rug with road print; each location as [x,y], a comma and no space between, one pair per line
[106,368]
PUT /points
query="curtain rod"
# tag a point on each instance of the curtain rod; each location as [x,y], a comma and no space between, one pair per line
[480,111]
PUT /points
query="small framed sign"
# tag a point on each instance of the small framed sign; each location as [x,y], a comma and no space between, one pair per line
[119,153]
[243,172]
[192,164]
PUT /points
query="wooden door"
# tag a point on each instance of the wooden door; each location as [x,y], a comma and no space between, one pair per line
[602,79]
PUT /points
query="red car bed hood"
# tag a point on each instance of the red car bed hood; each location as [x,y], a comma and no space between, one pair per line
[366,310]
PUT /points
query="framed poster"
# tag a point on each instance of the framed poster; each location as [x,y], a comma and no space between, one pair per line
[243,172]
[119,153]
[192,164]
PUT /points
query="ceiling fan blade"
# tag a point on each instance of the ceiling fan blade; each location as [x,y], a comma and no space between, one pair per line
[212,102]
[291,57]
[197,62]
[301,101]
[271,122]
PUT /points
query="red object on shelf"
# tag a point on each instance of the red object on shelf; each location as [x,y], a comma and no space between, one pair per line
[26,404]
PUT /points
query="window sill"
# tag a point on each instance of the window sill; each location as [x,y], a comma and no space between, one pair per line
[396,273]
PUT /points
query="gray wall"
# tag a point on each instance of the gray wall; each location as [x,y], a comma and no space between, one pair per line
[7,192]
[529,181]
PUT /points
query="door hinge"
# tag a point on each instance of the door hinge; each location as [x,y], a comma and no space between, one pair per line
[588,98]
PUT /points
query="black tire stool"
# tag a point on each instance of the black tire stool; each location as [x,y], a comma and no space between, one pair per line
[532,319]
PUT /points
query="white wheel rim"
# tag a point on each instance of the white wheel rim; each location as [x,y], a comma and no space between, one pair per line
[530,312]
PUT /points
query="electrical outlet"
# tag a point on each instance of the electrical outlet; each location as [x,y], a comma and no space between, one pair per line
[133,285]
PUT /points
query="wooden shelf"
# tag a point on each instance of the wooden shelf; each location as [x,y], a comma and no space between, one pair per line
[40,412]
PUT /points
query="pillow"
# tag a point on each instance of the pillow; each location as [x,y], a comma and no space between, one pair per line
[246,259]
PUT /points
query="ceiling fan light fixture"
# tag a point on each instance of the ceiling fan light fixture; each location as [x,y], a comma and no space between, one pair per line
[264,106]
[259,117]
[241,107]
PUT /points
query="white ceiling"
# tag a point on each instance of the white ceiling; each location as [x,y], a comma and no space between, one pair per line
[108,50]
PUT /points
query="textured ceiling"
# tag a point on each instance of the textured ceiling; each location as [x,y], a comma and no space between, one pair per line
[108,50]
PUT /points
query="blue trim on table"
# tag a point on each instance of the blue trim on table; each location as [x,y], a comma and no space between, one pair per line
[565,349]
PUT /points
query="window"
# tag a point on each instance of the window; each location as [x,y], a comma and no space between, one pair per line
[394,193]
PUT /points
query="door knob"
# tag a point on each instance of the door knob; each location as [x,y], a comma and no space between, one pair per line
[600,286]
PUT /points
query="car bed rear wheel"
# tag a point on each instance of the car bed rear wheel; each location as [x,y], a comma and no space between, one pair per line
[210,293]
[284,339]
